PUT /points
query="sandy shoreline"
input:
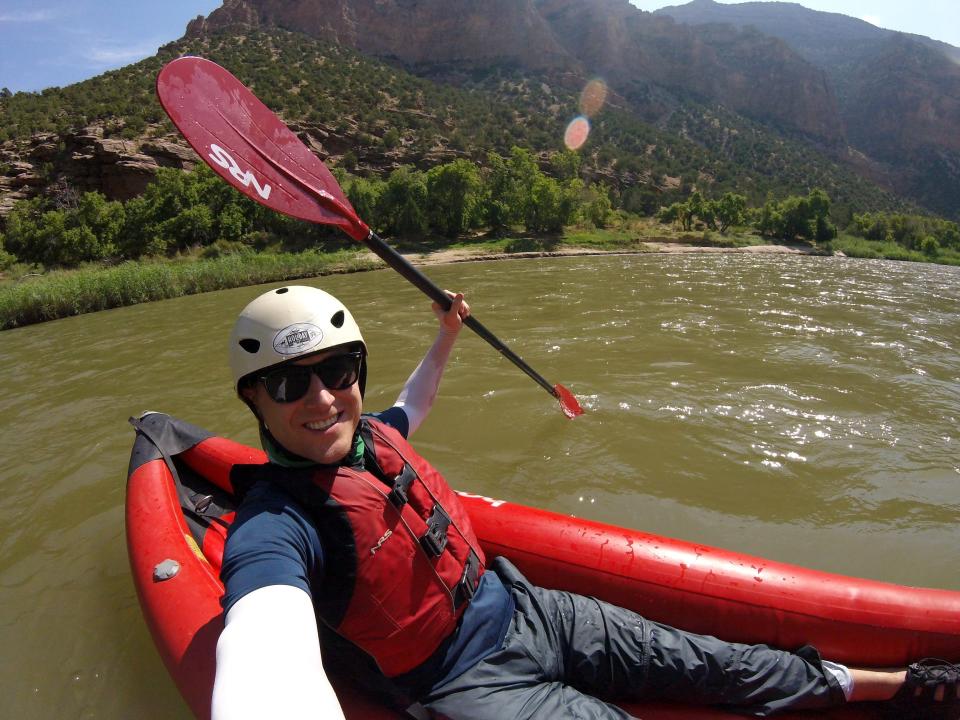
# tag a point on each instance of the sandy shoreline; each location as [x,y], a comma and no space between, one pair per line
[441,257]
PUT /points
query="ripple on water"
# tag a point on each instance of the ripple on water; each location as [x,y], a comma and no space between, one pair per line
[700,423]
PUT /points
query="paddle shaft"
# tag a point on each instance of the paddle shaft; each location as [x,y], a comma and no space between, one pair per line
[399,263]
[238,136]
[360,231]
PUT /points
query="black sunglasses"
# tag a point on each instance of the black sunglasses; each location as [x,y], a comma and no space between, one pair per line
[290,383]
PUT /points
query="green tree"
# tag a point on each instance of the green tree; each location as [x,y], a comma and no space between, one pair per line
[65,237]
[104,218]
[551,204]
[194,226]
[364,195]
[496,208]
[524,173]
[391,138]
[599,207]
[507,189]
[948,234]
[641,200]
[770,220]
[676,214]
[565,164]
[6,259]
[806,218]
[402,206]
[453,197]
[823,229]
[233,222]
[729,210]
[698,207]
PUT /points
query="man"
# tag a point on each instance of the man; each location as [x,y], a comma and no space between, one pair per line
[349,524]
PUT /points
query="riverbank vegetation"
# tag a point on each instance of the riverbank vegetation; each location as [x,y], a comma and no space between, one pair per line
[63,293]
[191,232]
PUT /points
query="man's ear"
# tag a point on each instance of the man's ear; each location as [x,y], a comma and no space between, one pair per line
[247,394]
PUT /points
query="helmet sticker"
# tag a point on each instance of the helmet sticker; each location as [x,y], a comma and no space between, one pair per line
[298,338]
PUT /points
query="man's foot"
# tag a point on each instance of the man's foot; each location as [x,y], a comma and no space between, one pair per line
[930,691]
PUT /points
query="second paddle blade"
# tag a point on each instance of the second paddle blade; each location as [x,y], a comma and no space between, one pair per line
[568,403]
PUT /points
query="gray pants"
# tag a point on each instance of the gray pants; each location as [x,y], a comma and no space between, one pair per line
[563,654]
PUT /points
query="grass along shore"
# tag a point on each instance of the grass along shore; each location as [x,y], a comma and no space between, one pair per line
[35,297]
[63,293]
[28,296]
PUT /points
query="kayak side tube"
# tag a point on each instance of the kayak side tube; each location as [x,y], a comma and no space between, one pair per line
[707,590]
[177,582]
[178,589]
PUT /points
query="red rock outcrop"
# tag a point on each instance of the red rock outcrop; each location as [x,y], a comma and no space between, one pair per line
[748,72]
[121,169]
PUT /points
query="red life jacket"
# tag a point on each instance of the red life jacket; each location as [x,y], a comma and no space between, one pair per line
[401,561]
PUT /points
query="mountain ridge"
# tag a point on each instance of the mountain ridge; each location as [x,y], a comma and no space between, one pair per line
[574,37]
[716,108]
[816,34]
[898,94]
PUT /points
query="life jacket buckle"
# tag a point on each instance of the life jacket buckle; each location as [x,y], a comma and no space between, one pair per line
[467,587]
[434,540]
[399,495]
[202,503]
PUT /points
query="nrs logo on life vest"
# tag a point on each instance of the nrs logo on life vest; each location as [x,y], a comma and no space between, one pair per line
[380,542]
[296,339]
[225,160]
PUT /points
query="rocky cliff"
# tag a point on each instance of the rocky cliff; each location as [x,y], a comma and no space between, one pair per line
[750,73]
[413,31]
[85,160]
[898,94]
[903,96]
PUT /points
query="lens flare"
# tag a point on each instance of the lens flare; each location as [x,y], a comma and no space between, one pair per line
[577,132]
[593,96]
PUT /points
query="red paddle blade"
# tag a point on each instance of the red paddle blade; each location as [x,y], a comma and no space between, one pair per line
[249,147]
[568,403]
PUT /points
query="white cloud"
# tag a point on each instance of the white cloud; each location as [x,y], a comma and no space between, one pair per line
[872,19]
[109,55]
[28,16]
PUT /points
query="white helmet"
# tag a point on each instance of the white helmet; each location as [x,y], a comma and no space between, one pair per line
[287,323]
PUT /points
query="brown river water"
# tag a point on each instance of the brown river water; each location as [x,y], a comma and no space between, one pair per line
[802,409]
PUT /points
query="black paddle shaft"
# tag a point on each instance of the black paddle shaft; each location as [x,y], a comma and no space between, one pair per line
[399,263]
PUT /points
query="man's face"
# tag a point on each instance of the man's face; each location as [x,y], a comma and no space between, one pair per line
[320,425]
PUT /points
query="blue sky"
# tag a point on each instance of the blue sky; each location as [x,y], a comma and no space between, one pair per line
[938,19]
[58,42]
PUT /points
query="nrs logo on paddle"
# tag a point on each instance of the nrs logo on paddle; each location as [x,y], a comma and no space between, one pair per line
[225,160]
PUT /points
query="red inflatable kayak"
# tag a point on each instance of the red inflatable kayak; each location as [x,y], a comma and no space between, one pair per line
[179,506]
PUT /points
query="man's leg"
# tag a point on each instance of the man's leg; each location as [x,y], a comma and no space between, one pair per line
[615,654]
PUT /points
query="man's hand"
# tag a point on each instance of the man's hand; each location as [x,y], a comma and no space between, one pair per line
[452,320]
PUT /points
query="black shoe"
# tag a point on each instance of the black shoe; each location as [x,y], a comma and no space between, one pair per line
[926,676]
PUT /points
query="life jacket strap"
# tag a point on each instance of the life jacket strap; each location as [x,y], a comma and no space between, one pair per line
[467,587]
